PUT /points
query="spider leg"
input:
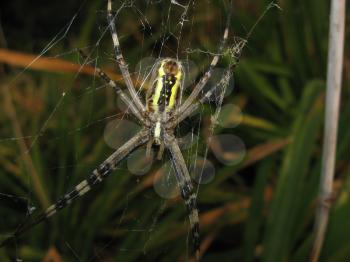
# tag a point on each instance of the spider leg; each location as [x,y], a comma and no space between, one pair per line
[160,151]
[186,188]
[120,59]
[96,177]
[205,78]
[193,107]
[125,98]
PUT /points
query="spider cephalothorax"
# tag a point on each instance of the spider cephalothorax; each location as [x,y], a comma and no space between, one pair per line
[159,117]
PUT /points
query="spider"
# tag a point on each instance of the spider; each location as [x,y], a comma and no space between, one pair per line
[159,116]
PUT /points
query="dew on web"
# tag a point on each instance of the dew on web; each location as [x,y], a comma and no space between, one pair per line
[202,170]
[217,75]
[165,184]
[228,149]
[139,163]
[118,131]
[230,116]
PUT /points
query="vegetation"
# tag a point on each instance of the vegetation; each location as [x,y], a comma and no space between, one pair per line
[53,120]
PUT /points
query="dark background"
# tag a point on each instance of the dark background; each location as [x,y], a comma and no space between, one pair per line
[260,209]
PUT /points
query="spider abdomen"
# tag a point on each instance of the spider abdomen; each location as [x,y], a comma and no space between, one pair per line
[164,94]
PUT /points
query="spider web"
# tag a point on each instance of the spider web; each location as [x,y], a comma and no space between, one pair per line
[47,116]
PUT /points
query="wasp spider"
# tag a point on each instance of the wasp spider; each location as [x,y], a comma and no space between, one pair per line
[159,116]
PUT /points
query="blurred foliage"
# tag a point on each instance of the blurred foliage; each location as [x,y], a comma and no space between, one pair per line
[259,210]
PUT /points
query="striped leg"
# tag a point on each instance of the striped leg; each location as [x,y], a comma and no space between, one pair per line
[186,188]
[120,59]
[117,89]
[206,97]
[96,177]
[203,81]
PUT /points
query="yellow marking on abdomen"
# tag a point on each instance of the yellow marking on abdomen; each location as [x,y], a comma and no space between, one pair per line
[164,82]
[174,91]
